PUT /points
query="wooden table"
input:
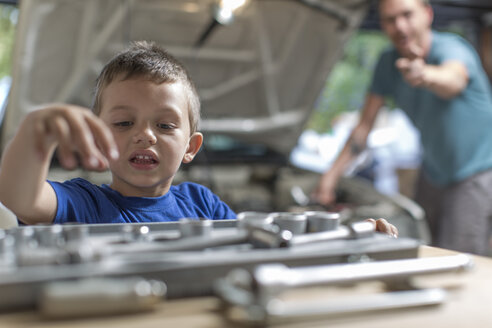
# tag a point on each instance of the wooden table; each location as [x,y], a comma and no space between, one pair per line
[469,304]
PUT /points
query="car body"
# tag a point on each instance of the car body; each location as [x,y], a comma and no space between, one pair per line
[259,76]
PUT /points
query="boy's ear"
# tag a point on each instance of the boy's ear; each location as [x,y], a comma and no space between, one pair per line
[194,145]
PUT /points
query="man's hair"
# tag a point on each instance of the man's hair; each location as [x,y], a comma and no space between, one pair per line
[148,60]
[425,2]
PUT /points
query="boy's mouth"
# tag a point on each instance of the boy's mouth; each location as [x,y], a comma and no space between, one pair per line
[143,160]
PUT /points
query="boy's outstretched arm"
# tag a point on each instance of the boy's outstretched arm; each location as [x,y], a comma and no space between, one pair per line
[25,162]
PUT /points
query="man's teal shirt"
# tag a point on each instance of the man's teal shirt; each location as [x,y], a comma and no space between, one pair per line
[456,134]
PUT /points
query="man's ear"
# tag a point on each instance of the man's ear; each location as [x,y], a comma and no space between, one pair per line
[194,145]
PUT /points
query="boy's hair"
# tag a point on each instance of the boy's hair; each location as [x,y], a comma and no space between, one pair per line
[148,60]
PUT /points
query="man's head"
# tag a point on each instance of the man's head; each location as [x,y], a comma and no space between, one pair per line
[408,24]
[149,61]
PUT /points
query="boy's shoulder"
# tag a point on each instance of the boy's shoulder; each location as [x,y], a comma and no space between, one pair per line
[76,183]
[190,188]
[194,193]
[79,187]
[202,199]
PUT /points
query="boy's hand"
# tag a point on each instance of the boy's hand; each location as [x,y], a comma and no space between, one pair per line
[381,225]
[79,134]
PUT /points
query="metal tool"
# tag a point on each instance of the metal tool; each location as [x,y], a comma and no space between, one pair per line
[100,296]
[319,221]
[300,197]
[77,247]
[276,277]
[296,223]
[194,228]
[253,219]
[188,264]
[354,230]
[256,294]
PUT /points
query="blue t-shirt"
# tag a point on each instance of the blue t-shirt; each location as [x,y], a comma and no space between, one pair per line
[456,134]
[81,201]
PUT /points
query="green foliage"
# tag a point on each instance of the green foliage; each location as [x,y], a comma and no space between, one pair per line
[348,82]
[8,20]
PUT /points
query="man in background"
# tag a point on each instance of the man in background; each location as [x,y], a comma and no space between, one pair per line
[438,80]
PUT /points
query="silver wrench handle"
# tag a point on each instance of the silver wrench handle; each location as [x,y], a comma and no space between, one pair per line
[280,310]
[278,276]
[355,230]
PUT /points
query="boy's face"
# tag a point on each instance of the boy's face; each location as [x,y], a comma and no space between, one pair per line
[151,127]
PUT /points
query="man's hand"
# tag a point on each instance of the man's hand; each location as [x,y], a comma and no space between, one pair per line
[381,225]
[447,80]
[325,191]
[413,67]
[413,71]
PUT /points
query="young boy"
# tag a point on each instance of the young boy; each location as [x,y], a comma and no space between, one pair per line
[143,126]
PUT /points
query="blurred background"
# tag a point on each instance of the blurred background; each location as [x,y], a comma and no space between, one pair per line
[317,91]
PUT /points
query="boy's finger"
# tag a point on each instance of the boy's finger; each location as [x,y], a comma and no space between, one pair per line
[83,134]
[383,225]
[394,230]
[104,138]
[387,227]
[82,139]
[59,128]
[372,221]
[40,133]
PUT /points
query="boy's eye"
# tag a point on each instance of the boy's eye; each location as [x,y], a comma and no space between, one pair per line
[123,123]
[165,126]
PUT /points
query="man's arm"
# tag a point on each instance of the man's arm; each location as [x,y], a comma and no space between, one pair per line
[447,80]
[26,160]
[325,192]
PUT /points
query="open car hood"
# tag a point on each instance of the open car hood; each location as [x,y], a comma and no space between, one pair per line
[258,77]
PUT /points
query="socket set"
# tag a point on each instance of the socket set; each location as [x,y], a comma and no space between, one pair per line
[70,270]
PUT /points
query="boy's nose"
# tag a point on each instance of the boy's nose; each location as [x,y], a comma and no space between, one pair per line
[145,135]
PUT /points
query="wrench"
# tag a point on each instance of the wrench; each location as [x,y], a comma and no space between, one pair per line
[256,294]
